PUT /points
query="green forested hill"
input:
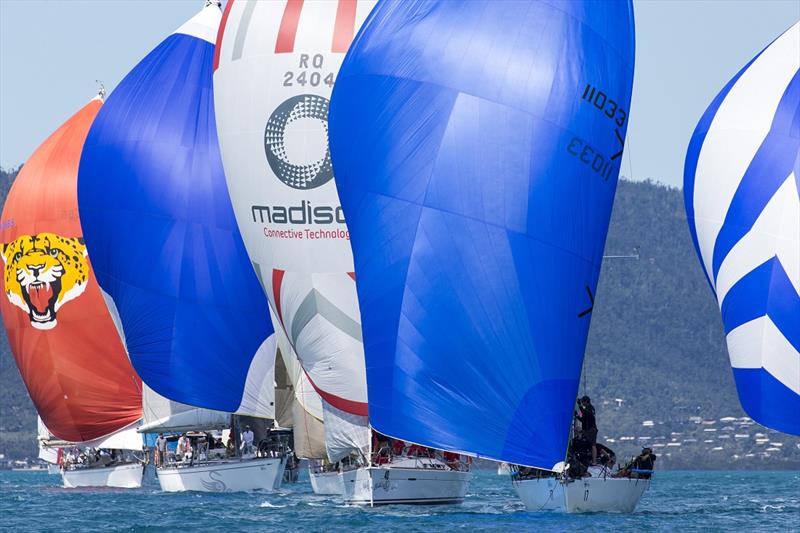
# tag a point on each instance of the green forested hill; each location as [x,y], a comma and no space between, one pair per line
[656,342]
[17,417]
[656,338]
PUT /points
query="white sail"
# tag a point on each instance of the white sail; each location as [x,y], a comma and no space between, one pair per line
[46,451]
[304,406]
[277,62]
[345,433]
[309,434]
[163,415]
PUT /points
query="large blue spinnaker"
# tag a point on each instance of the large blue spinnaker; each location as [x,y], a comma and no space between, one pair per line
[166,248]
[741,193]
[476,148]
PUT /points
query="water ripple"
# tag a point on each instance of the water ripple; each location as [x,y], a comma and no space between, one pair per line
[677,501]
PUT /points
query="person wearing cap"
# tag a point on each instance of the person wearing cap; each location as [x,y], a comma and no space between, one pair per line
[247,440]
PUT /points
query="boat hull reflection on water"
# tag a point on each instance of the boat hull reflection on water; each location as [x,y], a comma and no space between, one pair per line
[125,476]
[585,495]
[235,475]
[409,481]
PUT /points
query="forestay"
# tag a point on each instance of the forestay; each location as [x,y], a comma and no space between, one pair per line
[741,193]
[155,206]
[476,147]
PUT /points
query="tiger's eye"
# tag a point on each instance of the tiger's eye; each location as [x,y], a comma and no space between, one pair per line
[17,256]
[54,252]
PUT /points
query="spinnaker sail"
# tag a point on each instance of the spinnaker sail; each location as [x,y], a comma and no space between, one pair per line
[276,64]
[476,147]
[741,182]
[155,206]
[61,334]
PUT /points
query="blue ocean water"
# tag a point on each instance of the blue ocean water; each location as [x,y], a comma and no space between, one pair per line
[677,501]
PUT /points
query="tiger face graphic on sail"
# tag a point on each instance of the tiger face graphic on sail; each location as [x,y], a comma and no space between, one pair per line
[43,272]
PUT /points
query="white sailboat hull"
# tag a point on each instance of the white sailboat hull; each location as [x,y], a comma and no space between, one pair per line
[53,470]
[126,476]
[325,482]
[227,476]
[587,495]
[381,485]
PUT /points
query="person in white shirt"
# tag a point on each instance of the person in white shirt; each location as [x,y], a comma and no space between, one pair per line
[247,440]
[184,450]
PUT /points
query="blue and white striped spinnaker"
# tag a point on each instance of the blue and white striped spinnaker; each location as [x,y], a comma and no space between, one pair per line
[166,248]
[741,193]
[476,148]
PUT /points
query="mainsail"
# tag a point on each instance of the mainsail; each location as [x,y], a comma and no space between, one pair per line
[154,204]
[476,147]
[276,64]
[741,182]
[63,339]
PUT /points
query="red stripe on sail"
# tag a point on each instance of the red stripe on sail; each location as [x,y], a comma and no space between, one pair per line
[221,32]
[352,275]
[345,26]
[288,29]
[343,404]
[277,280]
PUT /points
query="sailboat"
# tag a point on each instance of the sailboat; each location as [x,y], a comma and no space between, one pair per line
[217,472]
[741,181]
[476,148]
[61,334]
[276,66]
[170,260]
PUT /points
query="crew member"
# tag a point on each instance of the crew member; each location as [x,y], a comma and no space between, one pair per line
[247,440]
[161,450]
[588,424]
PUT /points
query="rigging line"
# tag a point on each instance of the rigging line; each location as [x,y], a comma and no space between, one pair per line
[629,149]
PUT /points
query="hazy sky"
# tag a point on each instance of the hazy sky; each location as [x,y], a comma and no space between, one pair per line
[51,53]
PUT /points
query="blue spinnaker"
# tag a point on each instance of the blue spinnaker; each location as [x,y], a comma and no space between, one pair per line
[166,248]
[741,194]
[476,148]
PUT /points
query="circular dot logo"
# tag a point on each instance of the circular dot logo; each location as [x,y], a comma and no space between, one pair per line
[296,142]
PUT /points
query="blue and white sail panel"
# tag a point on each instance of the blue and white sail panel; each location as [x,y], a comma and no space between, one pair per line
[476,148]
[741,193]
[155,207]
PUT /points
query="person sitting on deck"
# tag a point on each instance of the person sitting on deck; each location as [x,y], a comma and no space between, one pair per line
[381,448]
[588,424]
[398,447]
[247,440]
[184,449]
[641,467]
[452,460]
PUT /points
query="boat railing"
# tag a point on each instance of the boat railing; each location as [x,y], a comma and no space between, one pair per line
[424,458]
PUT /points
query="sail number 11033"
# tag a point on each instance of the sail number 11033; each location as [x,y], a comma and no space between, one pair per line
[608,106]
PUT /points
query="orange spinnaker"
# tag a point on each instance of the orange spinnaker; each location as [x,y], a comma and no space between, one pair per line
[63,338]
